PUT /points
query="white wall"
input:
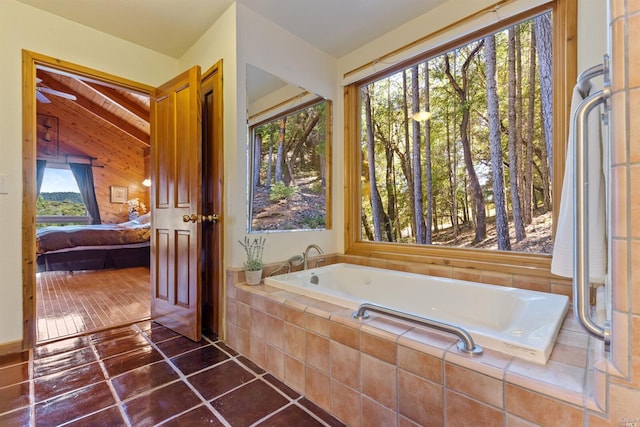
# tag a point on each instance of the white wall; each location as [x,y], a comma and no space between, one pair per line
[269,47]
[24,27]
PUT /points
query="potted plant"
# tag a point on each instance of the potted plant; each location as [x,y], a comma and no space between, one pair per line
[253,264]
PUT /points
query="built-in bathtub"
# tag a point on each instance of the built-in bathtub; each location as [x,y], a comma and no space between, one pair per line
[518,322]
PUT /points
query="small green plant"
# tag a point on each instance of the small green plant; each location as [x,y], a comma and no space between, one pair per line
[254,249]
[280,191]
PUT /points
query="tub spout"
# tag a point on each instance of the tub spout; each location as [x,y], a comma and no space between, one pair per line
[306,253]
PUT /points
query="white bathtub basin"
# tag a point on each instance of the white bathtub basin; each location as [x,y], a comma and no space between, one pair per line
[514,321]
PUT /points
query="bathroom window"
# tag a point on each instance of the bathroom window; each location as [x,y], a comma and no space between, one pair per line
[452,153]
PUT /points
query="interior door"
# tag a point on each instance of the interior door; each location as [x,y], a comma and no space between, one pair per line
[176,196]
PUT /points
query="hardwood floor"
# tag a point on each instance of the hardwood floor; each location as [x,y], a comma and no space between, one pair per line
[70,303]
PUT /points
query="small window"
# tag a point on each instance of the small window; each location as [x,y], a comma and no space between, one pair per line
[59,201]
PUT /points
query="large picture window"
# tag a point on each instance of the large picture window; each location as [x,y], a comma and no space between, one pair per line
[456,148]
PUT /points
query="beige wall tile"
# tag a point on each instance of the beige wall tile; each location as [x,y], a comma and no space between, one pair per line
[420,400]
[633,6]
[633,51]
[617,55]
[635,277]
[317,324]
[617,8]
[419,363]
[624,405]
[379,381]
[634,202]
[618,129]
[461,411]
[274,331]
[513,421]
[345,335]
[345,404]
[620,342]
[569,355]
[244,316]
[478,386]
[293,315]
[619,201]
[539,409]
[274,308]
[317,388]
[376,415]
[317,351]
[274,361]
[258,320]
[294,341]
[345,364]
[294,373]
[256,350]
[376,346]
[619,274]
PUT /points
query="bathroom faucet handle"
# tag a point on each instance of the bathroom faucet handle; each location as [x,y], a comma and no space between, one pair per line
[320,260]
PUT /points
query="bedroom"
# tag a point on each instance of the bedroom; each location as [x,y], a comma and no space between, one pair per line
[108,129]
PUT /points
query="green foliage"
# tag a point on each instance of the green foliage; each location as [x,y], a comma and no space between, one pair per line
[64,204]
[314,221]
[280,191]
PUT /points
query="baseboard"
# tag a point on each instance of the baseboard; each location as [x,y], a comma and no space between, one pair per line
[10,347]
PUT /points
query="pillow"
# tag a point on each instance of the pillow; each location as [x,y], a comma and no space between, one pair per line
[144,219]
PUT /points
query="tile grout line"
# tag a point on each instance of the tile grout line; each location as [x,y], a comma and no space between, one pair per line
[183,378]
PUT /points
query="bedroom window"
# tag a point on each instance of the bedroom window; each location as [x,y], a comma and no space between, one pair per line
[59,201]
[451,155]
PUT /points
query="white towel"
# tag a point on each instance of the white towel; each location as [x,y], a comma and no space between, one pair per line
[562,262]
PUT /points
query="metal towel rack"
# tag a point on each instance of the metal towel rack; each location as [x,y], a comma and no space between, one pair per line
[465,345]
[581,199]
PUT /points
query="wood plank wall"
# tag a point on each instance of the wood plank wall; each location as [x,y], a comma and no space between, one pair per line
[121,157]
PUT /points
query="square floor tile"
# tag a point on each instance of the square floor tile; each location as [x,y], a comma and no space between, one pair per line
[161,334]
[63,361]
[249,403]
[74,405]
[201,358]
[62,382]
[143,379]
[199,416]
[20,417]
[291,416]
[58,347]
[160,404]
[220,379]
[111,417]
[121,345]
[179,345]
[126,362]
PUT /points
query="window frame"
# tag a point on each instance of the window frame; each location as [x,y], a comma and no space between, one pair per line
[565,71]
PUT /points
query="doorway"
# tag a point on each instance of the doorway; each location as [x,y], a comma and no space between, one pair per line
[212,271]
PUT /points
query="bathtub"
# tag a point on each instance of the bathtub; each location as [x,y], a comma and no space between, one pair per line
[518,322]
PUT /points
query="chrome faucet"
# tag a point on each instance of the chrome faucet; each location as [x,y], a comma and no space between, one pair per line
[306,254]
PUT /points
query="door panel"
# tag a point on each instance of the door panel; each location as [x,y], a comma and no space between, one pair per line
[176,177]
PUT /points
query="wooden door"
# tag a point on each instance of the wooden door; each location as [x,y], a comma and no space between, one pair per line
[176,178]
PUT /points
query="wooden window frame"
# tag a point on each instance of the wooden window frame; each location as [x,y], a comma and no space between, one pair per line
[565,72]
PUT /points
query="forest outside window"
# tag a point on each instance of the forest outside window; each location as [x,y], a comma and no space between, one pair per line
[59,199]
[289,178]
[457,148]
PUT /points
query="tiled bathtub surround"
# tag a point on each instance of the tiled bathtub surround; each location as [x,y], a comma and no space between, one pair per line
[386,372]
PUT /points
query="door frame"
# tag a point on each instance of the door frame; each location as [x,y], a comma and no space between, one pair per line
[212,79]
[29,62]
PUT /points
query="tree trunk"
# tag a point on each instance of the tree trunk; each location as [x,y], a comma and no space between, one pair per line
[513,137]
[376,201]
[427,167]
[417,166]
[453,177]
[495,146]
[544,37]
[476,189]
[406,157]
[257,159]
[528,163]
[269,167]
[280,155]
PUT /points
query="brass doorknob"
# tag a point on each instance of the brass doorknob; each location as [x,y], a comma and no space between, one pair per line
[200,218]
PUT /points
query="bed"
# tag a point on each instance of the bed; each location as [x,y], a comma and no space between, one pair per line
[94,247]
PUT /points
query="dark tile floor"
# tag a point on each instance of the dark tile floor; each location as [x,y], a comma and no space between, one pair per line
[146,375]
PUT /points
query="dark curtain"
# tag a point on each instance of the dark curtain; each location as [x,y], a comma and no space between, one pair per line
[84,178]
[40,167]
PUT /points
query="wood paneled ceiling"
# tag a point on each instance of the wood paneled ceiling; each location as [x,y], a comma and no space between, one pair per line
[114,107]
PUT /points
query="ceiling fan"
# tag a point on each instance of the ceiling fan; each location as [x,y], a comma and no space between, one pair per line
[40,90]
